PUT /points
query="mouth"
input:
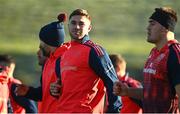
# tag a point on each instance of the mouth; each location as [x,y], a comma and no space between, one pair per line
[76,32]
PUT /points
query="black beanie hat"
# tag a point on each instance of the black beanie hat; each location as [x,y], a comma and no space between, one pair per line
[53,34]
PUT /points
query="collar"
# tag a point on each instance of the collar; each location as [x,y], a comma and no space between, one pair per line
[166,46]
[85,39]
[60,50]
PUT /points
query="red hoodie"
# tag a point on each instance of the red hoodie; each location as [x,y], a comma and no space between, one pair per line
[49,102]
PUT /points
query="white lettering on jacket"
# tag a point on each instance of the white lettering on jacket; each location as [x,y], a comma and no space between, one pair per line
[149,70]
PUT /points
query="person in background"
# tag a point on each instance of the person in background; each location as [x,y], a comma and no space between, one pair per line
[119,63]
[51,37]
[18,104]
[161,87]
[86,71]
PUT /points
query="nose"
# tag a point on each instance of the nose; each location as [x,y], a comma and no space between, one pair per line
[39,52]
[77,26]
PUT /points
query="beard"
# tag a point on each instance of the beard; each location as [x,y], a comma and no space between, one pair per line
[45,53]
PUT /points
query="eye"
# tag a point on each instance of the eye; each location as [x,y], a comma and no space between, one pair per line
[73,22]
[81,23]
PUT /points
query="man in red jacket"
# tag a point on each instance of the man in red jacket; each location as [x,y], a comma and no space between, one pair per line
[86,72]
[51,37]
[7,85]
[129,104]
[161,87]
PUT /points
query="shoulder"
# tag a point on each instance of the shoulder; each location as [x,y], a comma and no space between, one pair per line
[60,50]
[66,45]
[174,50]
[176,47]
[97,48]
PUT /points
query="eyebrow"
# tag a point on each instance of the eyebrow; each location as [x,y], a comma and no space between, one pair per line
[151,21]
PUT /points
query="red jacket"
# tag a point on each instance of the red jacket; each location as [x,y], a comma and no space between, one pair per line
[82,91]
[4,93]
[161,75]
[48,76]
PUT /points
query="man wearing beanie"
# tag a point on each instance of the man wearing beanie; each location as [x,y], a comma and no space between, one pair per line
[162,68]
[51,37]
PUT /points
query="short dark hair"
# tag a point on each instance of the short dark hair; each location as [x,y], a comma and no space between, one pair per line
[6,60]
[116,59]
[81,12]
[169,11]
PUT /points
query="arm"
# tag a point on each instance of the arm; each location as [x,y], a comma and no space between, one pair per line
[104,69]
[34,93]
[29,92]
[28,104]
[178,92]
[121,89]
[173,66]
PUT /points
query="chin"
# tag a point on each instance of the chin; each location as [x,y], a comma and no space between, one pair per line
[77,38]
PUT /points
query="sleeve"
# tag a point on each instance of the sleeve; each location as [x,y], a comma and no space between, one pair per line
[136,84]
[133,83]
[34,93]
[103,67]
[173,64]
[28,104]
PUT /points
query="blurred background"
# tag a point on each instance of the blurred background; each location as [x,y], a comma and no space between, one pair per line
[118,25]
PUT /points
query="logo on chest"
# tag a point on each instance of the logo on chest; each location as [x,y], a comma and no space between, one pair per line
[154,64]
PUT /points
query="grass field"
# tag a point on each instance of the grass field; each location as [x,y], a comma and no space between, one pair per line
[118,25]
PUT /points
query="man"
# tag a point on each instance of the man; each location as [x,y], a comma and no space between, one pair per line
[4,90]
[51,37]
[86,71]
[161,70]
[18,104]
[129,104]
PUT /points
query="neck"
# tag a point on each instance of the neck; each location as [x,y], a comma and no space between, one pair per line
[169,36]
[76,40]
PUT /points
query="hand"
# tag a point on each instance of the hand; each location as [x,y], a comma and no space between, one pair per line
[120,89]
[21,90]
[55,89]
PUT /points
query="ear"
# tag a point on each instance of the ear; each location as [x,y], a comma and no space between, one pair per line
[90,27]
[164,31]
